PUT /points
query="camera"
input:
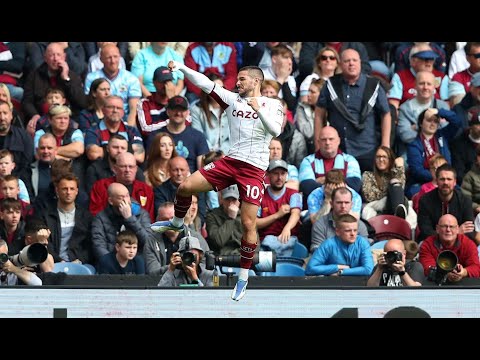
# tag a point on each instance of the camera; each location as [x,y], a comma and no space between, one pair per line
[446,262]
[3,258]
[188,258]
[30,255]
[392,257]
[262,261]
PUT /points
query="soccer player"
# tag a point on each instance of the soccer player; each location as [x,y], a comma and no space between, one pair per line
[254,120]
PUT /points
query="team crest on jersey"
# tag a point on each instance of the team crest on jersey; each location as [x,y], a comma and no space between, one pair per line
[209,166]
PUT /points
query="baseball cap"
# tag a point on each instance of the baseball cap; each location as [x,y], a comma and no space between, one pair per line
[230,192]
[277,164]
[178,101]
[189,243]
[162,73]
[475,80]
[473,116]
[426,54]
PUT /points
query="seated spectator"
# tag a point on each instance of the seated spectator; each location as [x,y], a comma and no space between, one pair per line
[383,187]
[94,61]
[7,164]
[10,188]
[70,224]
[159,154]
[105,167]
[192,219]
[279,212]
[224,225]
[122,82]
[434,163]
[96,138]
[183,272]
[151,114]
[124,260]
[12,225]
[14,105]
[448,237]
[471,184]
[54,72]
[93,114]
[429,141]
[305,114]
[120,214]
[54,96]
[445,199]
[209,118]
[315,166]
[319,200]
[276,153]
[12,62]
[125,170]
[396,271]
[324,227]
[344,254]
[459,86]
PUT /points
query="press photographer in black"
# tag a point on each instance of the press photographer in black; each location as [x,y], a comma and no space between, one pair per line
[392,268]
[185,267]
[10,274]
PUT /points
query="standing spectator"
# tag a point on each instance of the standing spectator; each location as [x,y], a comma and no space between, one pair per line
[355,118]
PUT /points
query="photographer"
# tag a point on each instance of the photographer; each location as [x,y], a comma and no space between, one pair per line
[392,269]
[13,275]
[185,267]
[449,238]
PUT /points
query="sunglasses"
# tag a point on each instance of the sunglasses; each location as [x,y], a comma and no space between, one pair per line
[325,57]
[476,56]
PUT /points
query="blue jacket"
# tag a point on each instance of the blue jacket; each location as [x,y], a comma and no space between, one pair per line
[334,251]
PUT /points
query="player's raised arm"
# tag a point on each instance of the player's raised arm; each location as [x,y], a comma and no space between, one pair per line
[198,79]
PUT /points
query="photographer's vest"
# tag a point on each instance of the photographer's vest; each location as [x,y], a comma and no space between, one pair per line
[370,94]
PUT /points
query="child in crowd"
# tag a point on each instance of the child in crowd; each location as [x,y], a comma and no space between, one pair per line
[9,188]
[54,96]
[7,164]
[124,259]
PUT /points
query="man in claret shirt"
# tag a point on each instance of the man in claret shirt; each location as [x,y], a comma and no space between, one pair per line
[254,120]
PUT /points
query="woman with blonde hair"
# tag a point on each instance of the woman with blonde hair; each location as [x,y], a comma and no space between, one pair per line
[326,65]
[161,150]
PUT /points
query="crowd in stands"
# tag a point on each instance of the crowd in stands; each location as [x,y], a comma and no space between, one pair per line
[96,137]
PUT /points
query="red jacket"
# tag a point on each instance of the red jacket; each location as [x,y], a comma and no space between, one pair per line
[141,192]
[464,248]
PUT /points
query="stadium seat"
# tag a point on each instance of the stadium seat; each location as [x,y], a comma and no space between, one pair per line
[299,251]
[390,227]
[71,268]
[286,269]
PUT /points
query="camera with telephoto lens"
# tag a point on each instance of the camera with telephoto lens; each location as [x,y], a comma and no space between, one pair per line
[391,257]
[188,257]
[446,262]
[265,261]
[30,255]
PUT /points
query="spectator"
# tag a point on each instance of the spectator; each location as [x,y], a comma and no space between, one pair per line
[93,114]
[124,260]
[460,83]
[94,60]
[12,62]
[434,163]
[7,164]
[331,257]
[276,153]
[161,151]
